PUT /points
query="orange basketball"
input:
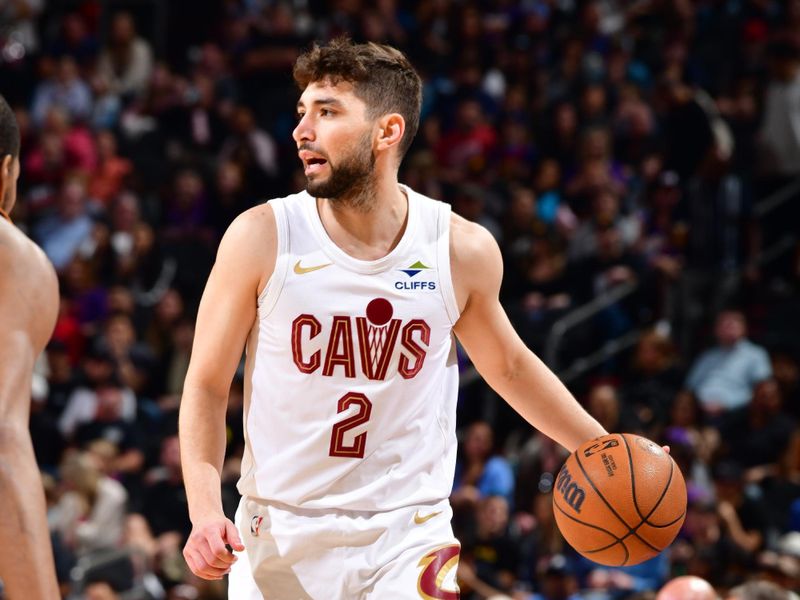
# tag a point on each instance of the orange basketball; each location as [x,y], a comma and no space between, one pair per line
[619,499]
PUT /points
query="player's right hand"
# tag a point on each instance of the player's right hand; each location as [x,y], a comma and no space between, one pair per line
[205,550]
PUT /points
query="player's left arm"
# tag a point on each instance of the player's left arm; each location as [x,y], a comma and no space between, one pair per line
[496,350]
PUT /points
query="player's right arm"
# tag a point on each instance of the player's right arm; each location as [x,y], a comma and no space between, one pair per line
[245,260]
[28,311]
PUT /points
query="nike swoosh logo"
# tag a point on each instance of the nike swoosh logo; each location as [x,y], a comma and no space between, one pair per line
[303,270]
[419,519]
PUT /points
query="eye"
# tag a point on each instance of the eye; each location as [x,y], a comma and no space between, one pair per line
[299,116]
[326,112]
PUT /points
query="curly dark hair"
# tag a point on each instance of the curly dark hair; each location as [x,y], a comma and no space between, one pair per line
[9,131]
[382,77]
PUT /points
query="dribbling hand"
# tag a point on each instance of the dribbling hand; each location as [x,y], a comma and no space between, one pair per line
[206,551]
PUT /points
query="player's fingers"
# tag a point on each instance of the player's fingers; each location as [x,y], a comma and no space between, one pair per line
[217,547]
[198,549]
[195,563]
[232,537]
[665,449]
[200,567]
[210,557]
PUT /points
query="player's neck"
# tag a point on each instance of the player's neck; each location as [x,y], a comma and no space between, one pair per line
[371,231]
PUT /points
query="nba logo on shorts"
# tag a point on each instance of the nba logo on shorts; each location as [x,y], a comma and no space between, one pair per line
[255,525]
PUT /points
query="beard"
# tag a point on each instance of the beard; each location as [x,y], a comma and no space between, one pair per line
[351,182]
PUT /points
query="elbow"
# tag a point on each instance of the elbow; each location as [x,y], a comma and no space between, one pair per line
[12,436]
[16,453]
[513,367]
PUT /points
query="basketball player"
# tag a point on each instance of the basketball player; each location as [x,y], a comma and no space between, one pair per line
[687,587]
[28,309]
[345,297]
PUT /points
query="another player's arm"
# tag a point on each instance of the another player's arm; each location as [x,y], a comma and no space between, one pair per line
[496,350]
[28,311]
[226,315]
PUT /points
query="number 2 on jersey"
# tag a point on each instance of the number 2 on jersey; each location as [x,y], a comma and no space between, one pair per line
[338,445]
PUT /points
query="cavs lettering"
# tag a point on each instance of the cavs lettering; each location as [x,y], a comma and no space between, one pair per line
[345,372]
[373,338]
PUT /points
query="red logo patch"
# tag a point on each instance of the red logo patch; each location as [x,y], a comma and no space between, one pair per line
[436,565]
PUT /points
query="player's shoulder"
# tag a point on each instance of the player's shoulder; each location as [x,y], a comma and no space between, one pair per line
[468,239]
[475,259]
[261,220]
[30,274]
[18,253]
[249,247]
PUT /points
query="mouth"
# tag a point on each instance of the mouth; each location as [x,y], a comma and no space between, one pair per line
[313,163]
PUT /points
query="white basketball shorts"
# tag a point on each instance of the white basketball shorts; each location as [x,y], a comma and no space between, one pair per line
[296,554]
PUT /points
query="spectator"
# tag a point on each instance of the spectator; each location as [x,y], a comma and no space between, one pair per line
[605,213]
[758,590]
[663,228]
[469,201]
[76,41]
[86,299]
[723,378]
[133,359]
[230,196]
[125,213]
[100,590]
[89,515]
[165,506]
[604,405]
[82,406]
[250,146]
[19,16]
[65,90]
[127,60]
[654,378]
[63,148]
[480,474]
[780,128]
[695,133]
[492,554]
[187,206]
[597,171]
[611,582]
[112,170]
[757,436]
[61,234]
[743,519]
[194,125]
[468,145]
[558,582]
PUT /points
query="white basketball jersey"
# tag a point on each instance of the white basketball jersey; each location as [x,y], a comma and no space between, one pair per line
[351,376]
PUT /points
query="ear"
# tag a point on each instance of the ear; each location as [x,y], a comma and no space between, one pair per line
[5,176]
[391,128]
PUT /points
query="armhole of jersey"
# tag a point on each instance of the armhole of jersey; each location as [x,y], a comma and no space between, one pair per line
[443,267]
[269,295]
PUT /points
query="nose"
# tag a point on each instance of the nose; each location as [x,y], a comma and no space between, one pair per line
[303,132]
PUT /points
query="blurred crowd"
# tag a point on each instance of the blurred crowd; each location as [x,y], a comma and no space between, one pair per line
[606,144]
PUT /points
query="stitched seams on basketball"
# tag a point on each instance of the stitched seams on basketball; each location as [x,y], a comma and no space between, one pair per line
[592,534]
[655,500]
[593,537]
[631,510]
[620,520]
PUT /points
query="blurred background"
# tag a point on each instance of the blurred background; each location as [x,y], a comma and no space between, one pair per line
[638,163]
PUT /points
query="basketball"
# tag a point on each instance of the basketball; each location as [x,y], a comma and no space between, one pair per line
[619,499]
